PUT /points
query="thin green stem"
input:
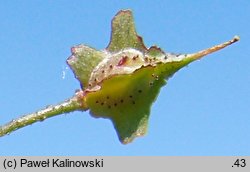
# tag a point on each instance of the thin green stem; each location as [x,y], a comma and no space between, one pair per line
[66,106]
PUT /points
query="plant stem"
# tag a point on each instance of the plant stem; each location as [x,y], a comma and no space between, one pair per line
[70,105]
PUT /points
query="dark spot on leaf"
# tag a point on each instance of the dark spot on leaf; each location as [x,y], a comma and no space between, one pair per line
[111,66]
[139,91]
[135,57]
[109,106]
[107,97]
[133,102]
[121,100]
[122,61]
[102,103]
[130,96]
[97,101]
[115,104]
[151,83]
[102,71]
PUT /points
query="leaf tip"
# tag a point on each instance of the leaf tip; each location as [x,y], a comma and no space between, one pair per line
[202,53]
[236,38]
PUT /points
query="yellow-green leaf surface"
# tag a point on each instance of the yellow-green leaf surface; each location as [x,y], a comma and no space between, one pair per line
[122,81]
[126,99]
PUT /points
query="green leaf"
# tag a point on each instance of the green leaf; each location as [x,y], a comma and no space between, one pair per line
[122,81]
[82,61]
[126,102]
[126,99]
[124,34]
